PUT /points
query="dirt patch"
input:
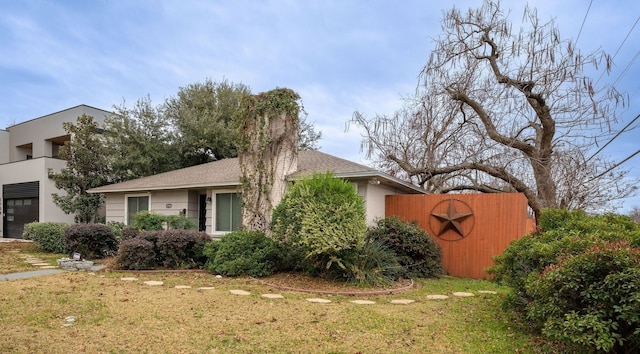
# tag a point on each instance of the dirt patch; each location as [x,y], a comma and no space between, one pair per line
[306,284]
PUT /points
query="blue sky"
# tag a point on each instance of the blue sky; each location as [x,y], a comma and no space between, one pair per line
[340,56]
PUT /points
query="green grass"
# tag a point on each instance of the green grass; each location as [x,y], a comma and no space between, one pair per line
[116,316]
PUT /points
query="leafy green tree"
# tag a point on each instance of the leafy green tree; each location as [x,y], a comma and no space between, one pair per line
[140,141]
[193,127]
[86,168]
[203,116]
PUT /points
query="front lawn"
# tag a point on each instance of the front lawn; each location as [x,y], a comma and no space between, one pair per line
[117,316]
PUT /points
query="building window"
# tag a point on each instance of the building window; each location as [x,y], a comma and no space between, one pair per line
[136,205]
[228,211]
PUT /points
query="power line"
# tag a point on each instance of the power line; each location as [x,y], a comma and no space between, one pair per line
[614,166]
[583,21]
[614,137]
[626,69]
[620,47]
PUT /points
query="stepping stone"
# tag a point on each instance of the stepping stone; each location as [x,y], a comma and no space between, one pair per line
[40,264]
[272,296]
[183,286]
[153,282]
[240,292]
[363,302]
[462,294]
[48,267]
[488,292]
[14,251]
[33,260]
[437,297]
[402,301]
[319,301]
[129,279]
[206,288]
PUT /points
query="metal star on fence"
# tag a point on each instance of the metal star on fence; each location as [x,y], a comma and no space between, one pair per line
[451,220]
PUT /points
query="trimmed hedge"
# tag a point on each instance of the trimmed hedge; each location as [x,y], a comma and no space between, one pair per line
[136,254]
[49,236]
[169,249]
[90,240]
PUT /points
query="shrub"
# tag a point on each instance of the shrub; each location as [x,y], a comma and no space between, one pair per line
[117,227]
[373,264]
[136,254]
[147,221]
[180,222]
[49,236]
[90,240]
[322,216]
[181,248]
[591,299]
[417,253]
[128,233]
[562,234]
[170,249]
[245,253]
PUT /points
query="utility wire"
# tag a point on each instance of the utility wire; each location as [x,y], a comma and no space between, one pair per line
[614,166]
[614,137]
[626,69]
[620,47]
[583,21]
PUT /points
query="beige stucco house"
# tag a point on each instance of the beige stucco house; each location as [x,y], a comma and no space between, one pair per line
[207,193]
[28,153]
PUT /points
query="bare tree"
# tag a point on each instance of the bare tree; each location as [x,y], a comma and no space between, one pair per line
[499,110]
[635,214]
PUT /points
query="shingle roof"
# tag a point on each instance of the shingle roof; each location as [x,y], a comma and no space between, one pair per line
[226,172]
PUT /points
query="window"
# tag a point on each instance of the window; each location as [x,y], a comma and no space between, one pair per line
[136,205]
[228,211]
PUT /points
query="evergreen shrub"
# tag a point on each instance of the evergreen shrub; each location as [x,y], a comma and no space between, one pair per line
[90,240]
[418,254]
[246,253]
[322,217]
[49,236]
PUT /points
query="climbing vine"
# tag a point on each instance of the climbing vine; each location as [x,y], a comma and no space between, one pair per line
[268,150]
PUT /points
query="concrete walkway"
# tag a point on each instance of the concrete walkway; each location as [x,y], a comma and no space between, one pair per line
[35,273]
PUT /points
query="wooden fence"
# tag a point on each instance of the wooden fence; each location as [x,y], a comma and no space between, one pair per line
[470,228]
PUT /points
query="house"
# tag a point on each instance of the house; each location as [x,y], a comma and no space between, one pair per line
[207,193]
[28,154]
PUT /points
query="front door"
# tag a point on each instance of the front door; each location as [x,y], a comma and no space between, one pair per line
[17,213]
[202,213]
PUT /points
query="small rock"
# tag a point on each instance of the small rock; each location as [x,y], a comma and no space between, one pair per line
[219,276]
[206,288]
[462,294]
[272,296]
[70,318]
[183,286]
[319,301]
[129,279]
[488,292]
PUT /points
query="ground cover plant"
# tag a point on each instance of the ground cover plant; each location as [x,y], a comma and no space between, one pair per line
[113,315]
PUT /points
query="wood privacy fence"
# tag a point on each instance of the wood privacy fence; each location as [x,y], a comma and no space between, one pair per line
[470,228]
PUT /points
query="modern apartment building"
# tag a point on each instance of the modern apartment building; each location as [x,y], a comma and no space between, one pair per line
[28,154]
